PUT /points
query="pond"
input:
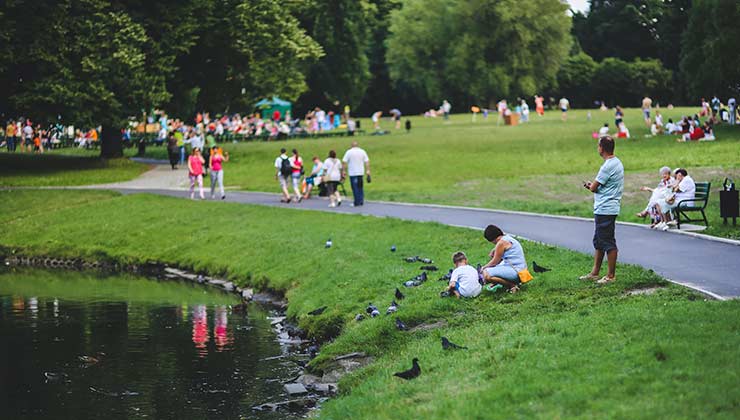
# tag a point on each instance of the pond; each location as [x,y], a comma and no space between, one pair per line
[80,345]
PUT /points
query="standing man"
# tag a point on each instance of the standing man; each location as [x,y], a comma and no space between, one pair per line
[10,136]
[647,103]
[446,107]
[564,105]
[283,172]
[732,103]
[357,164]
[607,189]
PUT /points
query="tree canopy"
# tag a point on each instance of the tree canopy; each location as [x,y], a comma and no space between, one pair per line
[477,50]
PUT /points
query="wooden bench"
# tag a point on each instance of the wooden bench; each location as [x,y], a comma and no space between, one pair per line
[697,204]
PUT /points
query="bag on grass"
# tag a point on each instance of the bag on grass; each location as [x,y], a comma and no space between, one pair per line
[525,276]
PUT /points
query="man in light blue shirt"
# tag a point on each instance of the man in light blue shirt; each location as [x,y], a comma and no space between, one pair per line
[607,189]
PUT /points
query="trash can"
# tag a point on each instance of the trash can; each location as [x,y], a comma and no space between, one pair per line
[728,202]
[512,119]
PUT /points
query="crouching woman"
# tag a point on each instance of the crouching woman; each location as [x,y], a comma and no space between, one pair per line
[507,266]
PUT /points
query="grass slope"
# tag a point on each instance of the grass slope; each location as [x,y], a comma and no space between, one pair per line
[560,348]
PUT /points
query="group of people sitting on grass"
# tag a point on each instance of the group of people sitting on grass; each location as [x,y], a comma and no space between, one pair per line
[507,267]
[674,189]
[688,128]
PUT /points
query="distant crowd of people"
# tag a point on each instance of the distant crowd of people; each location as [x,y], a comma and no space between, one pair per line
[24,136]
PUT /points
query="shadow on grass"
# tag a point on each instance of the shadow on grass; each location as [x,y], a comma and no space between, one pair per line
[28,164]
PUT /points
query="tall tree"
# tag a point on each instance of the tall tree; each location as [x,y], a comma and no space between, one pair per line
[341,28]
[477,50]
[710,64]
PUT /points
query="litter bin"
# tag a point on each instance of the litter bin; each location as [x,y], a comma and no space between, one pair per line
[511,119]
[728,201]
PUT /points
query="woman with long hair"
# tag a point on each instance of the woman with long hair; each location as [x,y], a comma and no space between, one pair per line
[296,162]
[218,157]
[195,172]
[332,177]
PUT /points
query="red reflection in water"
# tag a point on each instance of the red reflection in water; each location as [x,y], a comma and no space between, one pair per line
[220,332]
[200,329]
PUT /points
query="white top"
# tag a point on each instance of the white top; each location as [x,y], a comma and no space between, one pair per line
[687,189]
[333,169]
[27,131]
[564,103]
[195,141]
[603,131]
[320,115]
[355,158]
[466,278]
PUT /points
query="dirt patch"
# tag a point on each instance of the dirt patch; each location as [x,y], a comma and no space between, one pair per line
[643,291]
[429,326]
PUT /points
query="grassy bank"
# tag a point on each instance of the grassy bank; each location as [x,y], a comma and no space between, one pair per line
[537,167]
[63,169]
[559,348]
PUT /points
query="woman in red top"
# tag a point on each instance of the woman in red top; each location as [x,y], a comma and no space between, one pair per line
[195,172]
[296,162]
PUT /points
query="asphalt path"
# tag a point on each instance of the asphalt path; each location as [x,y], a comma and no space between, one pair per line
[709,265]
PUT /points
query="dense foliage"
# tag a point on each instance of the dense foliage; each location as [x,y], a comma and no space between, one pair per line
[93,62]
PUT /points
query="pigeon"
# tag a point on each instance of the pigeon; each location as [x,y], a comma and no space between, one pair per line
[400,325]
[412,283]
[480,275]
[449,345]
[370,308]
[426,260]
[393,248]
[446,276]
[375,313]
[411,373]
[444,294]
[421,277]
[318,311]
[411,259]
[359,317]
[328,243]
[392,308]
[539,268]
[429,268]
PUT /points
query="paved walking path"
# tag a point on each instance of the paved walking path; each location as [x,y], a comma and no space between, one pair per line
[708,265]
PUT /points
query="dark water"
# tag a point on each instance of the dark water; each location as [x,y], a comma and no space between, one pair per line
[77,346]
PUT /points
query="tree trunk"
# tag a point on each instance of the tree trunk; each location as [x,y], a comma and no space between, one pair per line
[111,145]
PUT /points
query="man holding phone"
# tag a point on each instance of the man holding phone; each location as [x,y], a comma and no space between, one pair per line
[607,189]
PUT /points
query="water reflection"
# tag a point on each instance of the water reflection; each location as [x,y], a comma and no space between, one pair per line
[76,346]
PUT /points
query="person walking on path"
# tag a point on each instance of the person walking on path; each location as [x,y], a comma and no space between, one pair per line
[173,151]
[357,165]
[282,173]
[607,189]
[296,166]
[195,173]
[332,177]
[217,159]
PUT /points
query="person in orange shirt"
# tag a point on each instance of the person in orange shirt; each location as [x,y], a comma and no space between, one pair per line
[93,135]
[37,147]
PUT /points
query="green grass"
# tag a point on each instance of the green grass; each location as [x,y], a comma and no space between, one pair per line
[57,169]
[537,167]
[560,348]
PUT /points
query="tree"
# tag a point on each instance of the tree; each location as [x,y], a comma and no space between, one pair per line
[619,82]
[88,69]
[625,29]
[709,62]
[575,79]
[245,50]
[477,50]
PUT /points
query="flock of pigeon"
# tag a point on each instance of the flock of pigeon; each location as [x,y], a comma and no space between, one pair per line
[373,311]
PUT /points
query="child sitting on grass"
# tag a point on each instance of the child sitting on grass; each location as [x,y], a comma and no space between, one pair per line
[464,279]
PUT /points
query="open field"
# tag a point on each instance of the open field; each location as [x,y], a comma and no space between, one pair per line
[559,348]
[537,167]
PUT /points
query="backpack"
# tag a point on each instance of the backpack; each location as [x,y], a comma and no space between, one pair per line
[285,169]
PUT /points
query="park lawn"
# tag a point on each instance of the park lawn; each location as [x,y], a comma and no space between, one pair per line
[559,348]
[64,168]
[536,167]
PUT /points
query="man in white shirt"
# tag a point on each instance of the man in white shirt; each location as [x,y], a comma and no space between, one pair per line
[564,106]
[464,279]
[604,131]
[357,165]
[283,177]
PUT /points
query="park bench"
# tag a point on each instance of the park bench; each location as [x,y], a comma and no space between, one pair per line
[697,204]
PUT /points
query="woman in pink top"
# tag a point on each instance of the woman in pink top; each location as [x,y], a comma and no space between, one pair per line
[217,170]
[195,172]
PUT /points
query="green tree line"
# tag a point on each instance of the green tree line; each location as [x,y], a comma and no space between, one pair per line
[96,62]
